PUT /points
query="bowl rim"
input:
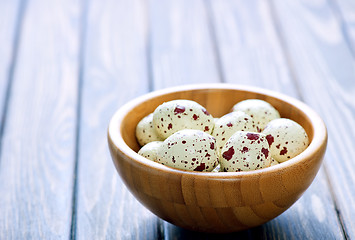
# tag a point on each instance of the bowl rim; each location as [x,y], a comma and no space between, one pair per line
[116,139]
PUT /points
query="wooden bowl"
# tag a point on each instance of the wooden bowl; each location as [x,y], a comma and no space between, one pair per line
[215,202]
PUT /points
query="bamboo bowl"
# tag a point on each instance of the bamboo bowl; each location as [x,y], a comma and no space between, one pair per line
[215,202]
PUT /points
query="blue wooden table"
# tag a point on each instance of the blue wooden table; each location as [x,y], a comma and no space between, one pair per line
[66,66]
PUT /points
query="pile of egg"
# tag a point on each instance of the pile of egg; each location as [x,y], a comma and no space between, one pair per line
[182,134]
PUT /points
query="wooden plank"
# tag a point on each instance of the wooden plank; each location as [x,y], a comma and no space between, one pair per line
[182,52]
[10,22]
[36,172]
[248,46]
[251,53]
[325,69]
[114,71]
[181,46]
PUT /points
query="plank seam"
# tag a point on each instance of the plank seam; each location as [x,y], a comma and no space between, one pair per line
[337,210]
[161,231]
[214,40]
[151,87]
[148,47]
[81,59]
[343,26]
[14,54]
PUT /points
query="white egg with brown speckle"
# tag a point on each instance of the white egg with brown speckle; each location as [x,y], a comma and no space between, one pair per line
[228,124]
[177,115]
[262,112]
[150,150]
[145,131]
[189,149]
[286,138]
[245,151]
[273,162]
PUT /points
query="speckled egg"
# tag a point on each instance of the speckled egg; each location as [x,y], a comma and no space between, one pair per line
[228,124]
[286,138]
[245,151]
[189,149]
[150,150]
[176,115]
[262,112]
[145,131]
[273,162]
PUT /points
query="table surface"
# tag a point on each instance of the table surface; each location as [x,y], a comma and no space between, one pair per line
[66,66]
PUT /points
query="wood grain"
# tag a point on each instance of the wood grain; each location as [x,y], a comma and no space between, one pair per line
[181,46]
[319,53]
[114,71]
[36,172]
[251,53]
[345,13]
[10,21]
